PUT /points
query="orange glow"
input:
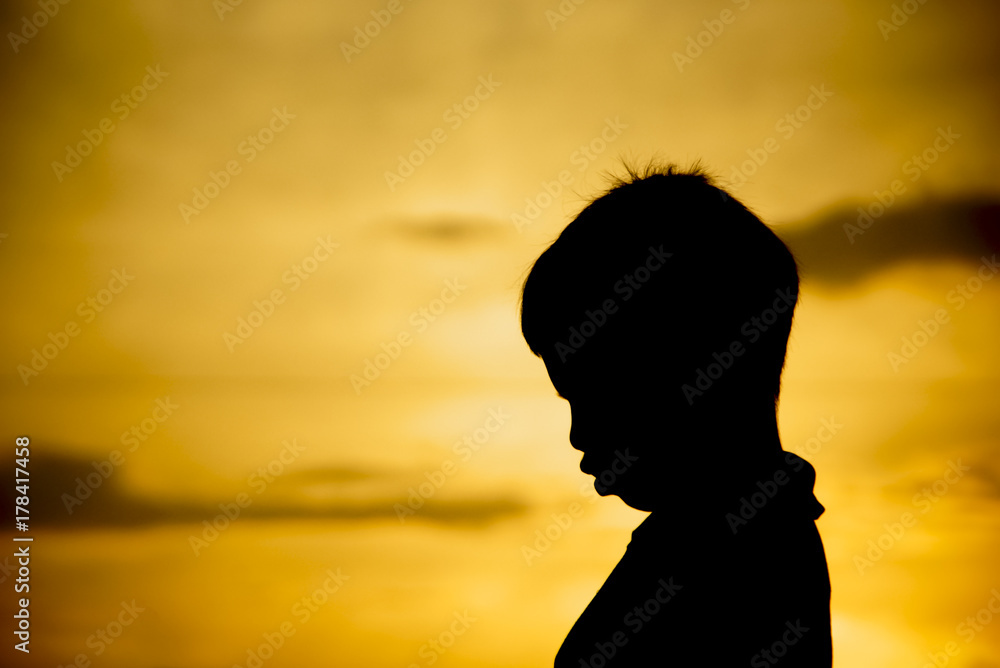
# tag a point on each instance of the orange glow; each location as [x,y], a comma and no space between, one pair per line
[331,279]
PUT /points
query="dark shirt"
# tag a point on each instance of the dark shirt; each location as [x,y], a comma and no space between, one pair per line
[737,580]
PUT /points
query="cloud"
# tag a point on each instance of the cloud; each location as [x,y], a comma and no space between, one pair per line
[110,504]
[447,230]
[835,248]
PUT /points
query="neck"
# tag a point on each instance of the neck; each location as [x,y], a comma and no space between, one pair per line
[744,429]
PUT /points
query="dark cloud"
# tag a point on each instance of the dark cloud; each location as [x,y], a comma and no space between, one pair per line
[331,474]
[111,505]
[446,230]
[835,248]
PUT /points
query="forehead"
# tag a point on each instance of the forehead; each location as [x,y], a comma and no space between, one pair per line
[586,375]
[627,373]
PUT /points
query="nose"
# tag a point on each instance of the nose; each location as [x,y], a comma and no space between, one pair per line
[589,430]
[574,437]
[576,427]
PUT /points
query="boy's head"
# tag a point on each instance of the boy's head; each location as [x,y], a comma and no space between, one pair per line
[662,313]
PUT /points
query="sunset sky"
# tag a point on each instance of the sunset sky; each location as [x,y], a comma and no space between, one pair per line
[219,217]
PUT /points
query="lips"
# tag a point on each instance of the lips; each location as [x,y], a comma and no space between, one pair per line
[590,467]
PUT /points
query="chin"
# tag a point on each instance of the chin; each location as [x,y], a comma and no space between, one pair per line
[636,500]
[644,505]
[602,490]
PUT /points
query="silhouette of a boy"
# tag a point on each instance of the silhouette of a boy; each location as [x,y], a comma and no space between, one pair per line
[662,314]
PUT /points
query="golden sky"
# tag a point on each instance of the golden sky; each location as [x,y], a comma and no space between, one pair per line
[218,217]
